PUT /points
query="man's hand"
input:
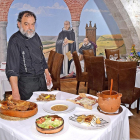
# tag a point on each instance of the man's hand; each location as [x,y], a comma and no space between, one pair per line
[14,85]
[48,77]
[65,41]
[15,96]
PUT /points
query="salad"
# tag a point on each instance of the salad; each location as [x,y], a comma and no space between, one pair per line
[49,122]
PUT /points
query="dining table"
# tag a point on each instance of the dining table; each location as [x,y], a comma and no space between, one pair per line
[117,129]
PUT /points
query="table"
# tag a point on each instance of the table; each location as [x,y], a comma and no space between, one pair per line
[21,130]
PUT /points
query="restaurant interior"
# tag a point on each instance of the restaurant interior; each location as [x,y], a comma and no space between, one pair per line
[99,99]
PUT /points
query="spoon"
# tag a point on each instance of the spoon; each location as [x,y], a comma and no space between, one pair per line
[111,86]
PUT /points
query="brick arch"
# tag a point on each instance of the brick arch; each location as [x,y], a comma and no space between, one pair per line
[4,9]
[75,8]
[116,7]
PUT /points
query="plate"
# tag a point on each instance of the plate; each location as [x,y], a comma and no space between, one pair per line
[105,121]
[37,93]
[43,136]
[47,106]
[78,100]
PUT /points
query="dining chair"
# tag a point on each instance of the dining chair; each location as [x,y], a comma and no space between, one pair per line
[80,76]
[123,75]
[96,73]
[109,52]
[56,68]
[89,52]
[50,60]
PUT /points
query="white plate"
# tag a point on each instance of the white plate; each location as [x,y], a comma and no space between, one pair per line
[47,106]
[96,127]
[44,136]
[37,93]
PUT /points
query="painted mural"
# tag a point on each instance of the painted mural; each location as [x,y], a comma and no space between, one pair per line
[51,15]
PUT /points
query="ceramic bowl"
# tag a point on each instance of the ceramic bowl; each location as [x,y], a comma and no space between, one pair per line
[107,102]
[50,130]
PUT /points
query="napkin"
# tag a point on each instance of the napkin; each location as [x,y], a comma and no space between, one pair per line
[49,86]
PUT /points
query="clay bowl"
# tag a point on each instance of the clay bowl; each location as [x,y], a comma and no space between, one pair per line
[50,130]
[107,102]
[21,114]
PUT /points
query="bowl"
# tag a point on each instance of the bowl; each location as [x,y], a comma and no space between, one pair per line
[109,103]
[51,129]
[33,109]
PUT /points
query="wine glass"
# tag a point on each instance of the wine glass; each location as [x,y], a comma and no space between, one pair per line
[111,57]
[115,56]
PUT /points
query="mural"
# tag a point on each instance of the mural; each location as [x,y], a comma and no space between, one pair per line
[51,15]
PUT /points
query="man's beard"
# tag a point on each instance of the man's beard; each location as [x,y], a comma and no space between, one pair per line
[25,33]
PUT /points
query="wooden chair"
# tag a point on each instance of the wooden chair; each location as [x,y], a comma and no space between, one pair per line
[123,75]
[80,76]
[109,52]
[50,60]
[56,68]
[89,52]
[96,73]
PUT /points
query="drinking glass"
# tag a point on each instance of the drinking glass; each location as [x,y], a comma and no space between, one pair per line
[115,56]
[111,57]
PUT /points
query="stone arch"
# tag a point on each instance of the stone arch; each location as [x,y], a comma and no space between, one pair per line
[127,29]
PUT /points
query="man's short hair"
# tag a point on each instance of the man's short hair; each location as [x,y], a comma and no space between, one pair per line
[28,13]
[67,21]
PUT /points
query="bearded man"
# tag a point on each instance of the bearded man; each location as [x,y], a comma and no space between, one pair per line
[64,44]
[86,46]
[26,65]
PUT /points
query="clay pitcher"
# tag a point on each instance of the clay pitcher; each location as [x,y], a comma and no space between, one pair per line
[107,102]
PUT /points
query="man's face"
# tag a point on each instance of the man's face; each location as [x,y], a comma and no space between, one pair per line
[27,26]
[66,25]
[86,41]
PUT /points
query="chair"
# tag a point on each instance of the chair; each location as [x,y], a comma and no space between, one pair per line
[123,75]
[50,60]
[80,76]
[109,52]
[89,52]
[96,73]
[56,68]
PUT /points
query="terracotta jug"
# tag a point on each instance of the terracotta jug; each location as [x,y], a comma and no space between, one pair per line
[107,102]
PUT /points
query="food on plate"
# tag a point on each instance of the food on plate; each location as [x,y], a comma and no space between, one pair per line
[98,121]
[59,107]
[85,101]
[49,124]
[17,105]
[46,97]
[88,120]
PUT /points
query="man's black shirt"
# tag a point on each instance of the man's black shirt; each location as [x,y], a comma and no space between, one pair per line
[25,56]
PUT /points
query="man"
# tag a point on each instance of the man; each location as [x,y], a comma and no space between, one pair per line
[26,65]
[86,46]
[64,44]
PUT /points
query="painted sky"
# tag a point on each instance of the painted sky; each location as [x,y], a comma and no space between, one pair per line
[51,15]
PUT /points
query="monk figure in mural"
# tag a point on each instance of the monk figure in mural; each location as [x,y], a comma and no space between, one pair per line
[66,45]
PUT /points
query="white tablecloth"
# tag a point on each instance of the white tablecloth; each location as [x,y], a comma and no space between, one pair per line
[118,129]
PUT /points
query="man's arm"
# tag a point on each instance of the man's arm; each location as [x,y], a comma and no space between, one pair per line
[14,85]
[12,67]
